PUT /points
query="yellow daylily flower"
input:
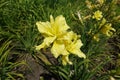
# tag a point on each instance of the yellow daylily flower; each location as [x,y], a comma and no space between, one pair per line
[97,15]
[61,41]
[52,30]
[89,4]
[107,29]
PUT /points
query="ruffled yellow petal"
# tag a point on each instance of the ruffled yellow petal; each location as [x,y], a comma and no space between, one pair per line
[47,41]
[70,37]
[73,44]
[74,48]
[65,60]
[40,46]
[61,24]
[44,28]
[58,49]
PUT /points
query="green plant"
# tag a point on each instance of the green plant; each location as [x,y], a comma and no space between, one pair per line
[7,68]
[18,18]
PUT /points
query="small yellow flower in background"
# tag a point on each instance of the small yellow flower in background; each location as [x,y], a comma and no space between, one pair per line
[101,1]
[107,29]
[97,15]
[59,39]
[89,4]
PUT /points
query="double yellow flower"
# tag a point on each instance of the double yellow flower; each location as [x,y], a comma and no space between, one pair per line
[62,42]
[97,15]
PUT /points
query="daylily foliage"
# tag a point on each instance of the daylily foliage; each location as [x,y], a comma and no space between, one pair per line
[61,41]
